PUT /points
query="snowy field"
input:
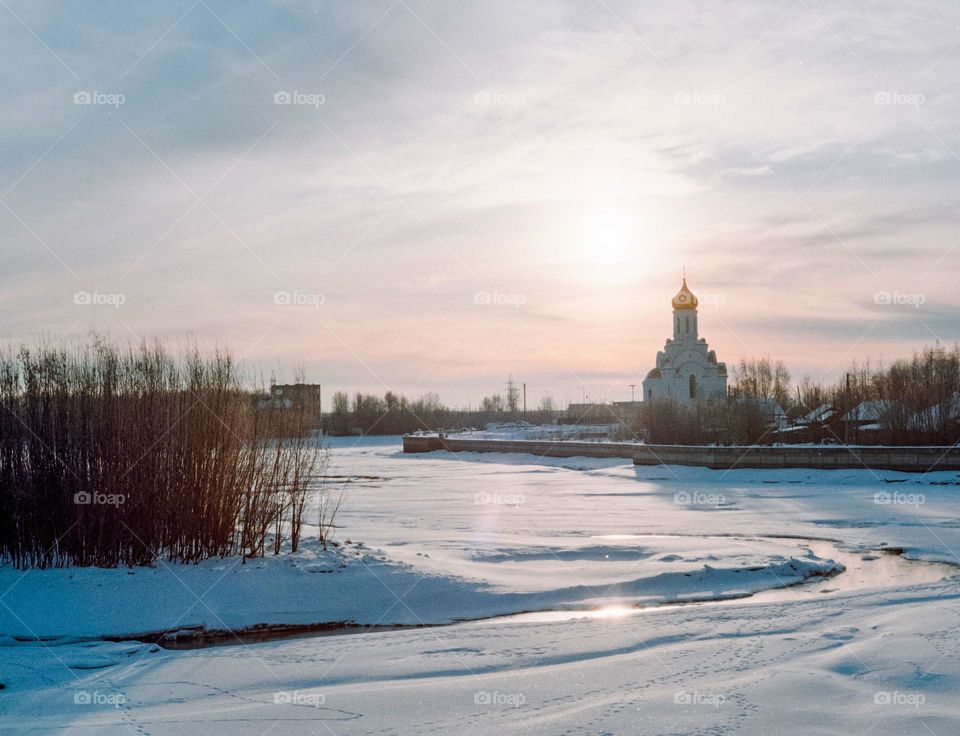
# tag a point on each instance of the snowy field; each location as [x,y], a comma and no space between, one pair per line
[440,538]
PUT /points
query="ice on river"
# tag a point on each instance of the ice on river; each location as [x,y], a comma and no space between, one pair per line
[439,537]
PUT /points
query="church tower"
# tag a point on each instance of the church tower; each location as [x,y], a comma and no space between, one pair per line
[687,370]
[685,315]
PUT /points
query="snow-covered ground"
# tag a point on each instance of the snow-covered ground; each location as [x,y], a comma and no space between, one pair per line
[440,537]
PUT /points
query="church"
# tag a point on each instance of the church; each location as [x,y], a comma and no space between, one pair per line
[687,370]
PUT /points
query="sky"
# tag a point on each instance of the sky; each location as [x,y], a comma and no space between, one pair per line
[421,195]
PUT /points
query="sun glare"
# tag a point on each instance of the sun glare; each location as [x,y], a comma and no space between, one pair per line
[608,235]
[613,241]
[613,611]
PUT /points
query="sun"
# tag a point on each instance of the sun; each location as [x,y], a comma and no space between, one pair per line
[612,242]
[604,242]
[608,234]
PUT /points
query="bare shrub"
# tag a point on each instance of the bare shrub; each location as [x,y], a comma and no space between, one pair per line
[112,456]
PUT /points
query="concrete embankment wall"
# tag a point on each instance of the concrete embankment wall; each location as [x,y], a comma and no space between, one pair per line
[909,459]
[534,447]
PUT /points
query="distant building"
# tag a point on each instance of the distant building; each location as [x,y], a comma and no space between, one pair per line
[771,411]
[686,370]
[869,412]
[590,414]
[627,411]
[306,396]
[868,421]
[821,414]
[937,417]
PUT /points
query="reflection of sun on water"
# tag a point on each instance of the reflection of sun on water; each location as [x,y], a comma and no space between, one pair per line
[612,611]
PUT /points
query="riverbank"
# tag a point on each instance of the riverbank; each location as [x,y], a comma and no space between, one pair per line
[823,457]
[354,587]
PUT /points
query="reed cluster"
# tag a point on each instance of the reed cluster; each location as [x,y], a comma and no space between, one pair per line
[116,455]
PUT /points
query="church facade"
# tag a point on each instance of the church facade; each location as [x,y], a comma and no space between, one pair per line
[687,370]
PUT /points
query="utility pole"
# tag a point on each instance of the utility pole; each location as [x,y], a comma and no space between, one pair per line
[633,396]
[846,424]
[524,398]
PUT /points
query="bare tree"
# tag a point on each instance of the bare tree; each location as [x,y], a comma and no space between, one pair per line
[762,379]
[513,395]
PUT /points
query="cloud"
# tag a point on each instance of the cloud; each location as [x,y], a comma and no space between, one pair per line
[432,150]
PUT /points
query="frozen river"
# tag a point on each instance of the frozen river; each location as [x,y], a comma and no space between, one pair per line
[614,552]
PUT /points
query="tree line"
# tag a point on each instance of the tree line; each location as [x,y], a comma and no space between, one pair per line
[919,395]
[396,414]
[914,401]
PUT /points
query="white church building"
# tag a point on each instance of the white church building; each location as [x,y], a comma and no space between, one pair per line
[687,370]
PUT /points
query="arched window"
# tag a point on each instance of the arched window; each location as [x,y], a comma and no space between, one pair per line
[693,387]
[688,325]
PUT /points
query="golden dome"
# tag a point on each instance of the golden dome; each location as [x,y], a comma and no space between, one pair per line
[685,298]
